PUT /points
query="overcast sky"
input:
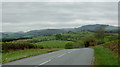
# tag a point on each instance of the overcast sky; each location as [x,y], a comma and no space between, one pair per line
[27,16]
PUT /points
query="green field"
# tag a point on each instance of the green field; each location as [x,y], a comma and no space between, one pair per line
[46,37]
[52,44]
[104,56]
[15,55]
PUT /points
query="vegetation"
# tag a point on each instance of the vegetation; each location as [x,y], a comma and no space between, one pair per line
[13,39]
[89,41]
[112,45]
[58,36]
[11,46]
[49,32]
[44,41]
[99,33]
[69,46]
[52,37]
[105,57]
[15,55]
[0,58]
[52,44]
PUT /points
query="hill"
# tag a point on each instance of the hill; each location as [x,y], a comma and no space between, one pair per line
[108,28]
[35,33]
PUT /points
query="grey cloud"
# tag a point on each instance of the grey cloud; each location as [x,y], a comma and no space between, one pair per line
[59,14]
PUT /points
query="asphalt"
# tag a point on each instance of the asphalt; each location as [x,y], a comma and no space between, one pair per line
[82,56]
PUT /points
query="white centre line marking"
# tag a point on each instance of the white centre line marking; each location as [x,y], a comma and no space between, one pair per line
[70,51]
[45,62]
[61,55]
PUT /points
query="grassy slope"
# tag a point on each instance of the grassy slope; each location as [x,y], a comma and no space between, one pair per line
[53,44]
[104,56]
[0,58]
[15,55]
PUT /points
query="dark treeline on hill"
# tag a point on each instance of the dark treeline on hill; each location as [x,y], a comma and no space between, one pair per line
[48,32]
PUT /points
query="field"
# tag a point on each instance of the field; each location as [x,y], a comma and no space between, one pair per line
[46,37]
[52,44]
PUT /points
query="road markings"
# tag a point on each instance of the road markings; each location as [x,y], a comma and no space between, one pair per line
[51,53]
[45,62]
[61,55]
[70,52]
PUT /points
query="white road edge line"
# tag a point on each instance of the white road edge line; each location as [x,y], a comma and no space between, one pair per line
[61,55]
[45,62]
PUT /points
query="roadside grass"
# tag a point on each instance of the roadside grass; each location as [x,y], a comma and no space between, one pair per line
[104,56]
[20,54]
[52,44]
[0,58]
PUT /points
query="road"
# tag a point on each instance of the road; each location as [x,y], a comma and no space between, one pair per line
[83,56]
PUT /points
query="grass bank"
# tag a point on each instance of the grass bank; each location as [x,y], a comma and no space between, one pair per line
[104,56]
[0,58]
[15,55]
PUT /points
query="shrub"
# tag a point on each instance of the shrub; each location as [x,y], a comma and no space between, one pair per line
[6,46]
[100,42]
[58,36]
[69,46]
[89,41]
[112,45]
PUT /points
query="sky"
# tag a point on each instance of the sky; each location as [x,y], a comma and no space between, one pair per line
[26,16]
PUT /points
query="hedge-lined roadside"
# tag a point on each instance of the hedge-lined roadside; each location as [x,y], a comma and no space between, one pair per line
[104,56]
[15,55]
[12,46]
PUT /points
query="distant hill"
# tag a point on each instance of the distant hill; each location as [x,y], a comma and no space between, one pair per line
[94,27]
[90,27]
[43,32]
[33,33]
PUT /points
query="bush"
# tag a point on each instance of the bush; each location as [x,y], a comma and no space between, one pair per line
[100,42]
[58,36]
[112,45]
[6,46]
[89,41]
[69,46]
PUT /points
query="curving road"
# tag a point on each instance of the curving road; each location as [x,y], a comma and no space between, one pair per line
[83,56]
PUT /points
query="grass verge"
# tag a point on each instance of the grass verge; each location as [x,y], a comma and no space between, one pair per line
[104,56]
[0,58]
[15,55]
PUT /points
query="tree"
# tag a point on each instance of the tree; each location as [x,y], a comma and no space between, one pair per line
[58,36]
[99,34]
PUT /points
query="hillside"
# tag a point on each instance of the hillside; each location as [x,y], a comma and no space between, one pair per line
[34,33]
[90,27]
[94,27]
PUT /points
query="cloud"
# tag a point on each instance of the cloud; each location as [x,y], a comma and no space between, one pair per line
[27,16]
[60,0]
